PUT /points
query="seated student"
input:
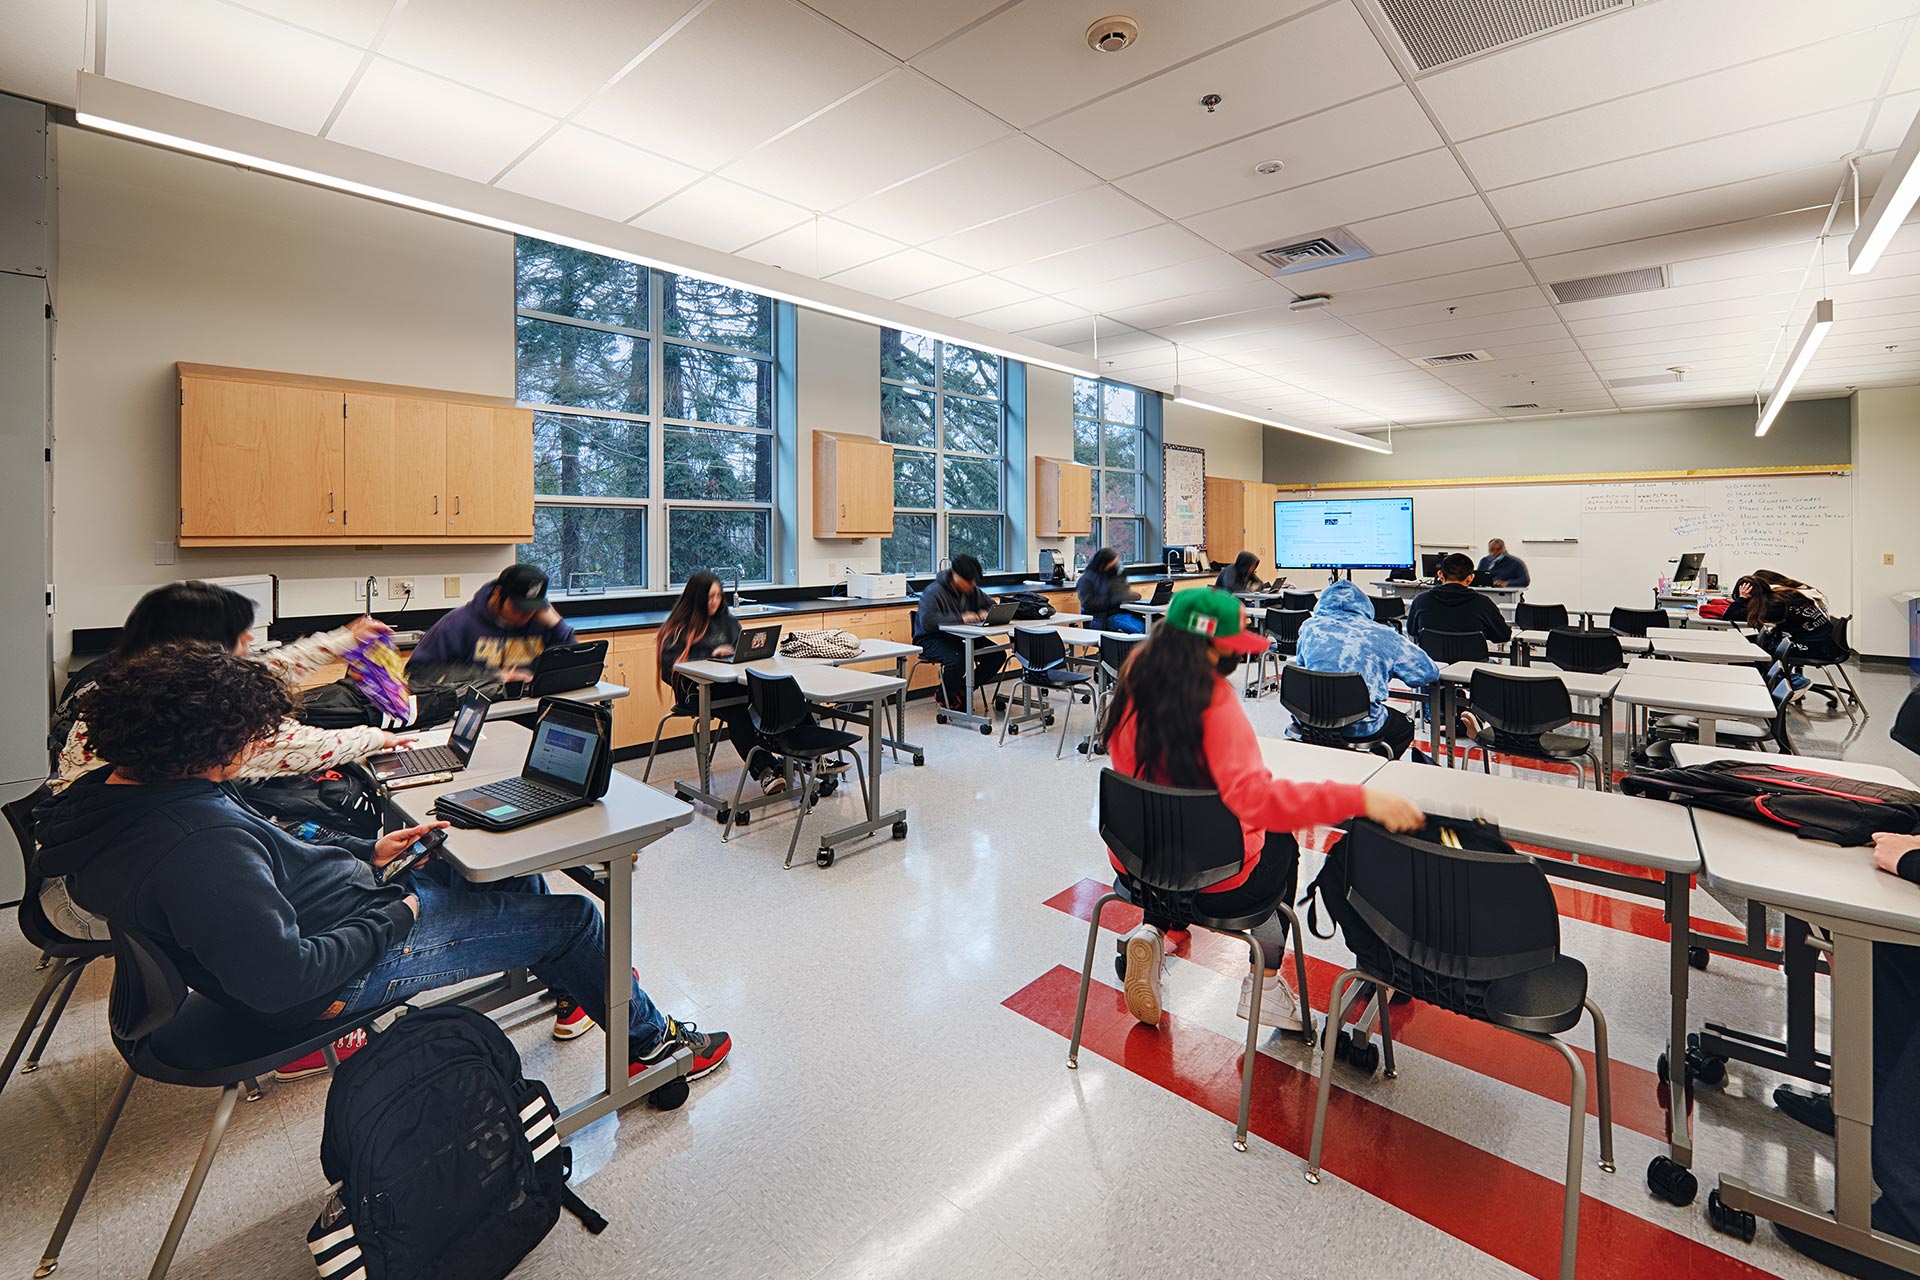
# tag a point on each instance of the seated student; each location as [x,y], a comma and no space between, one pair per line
[1241,575]
[1499,569]
[1775,579]
[954,596]
[1342,636]
[1175,720]
[1784,614]
[505,627]
[269,924]
[1455,606]
[700,627]
[1103,595]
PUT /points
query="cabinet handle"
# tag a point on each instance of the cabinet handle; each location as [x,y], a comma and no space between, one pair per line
[843,511]
[456,504]
[329,502]
[436,504]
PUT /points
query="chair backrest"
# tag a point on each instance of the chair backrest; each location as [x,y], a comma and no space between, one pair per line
[147,988]
[1299,600]
[1527,705]
[1463,915]
[913,622]
[34,925]
[1388,608]
[1114,653]
[1842,646]
[1539,617]
[1454,646]
[1592,652]
[1636,622]
[1780,688]
[1325,699]
[1169,838]
[1039,648]
[775,702]
[1284,624]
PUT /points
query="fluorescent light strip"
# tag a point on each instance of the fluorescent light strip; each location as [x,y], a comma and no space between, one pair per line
[1332,435]
[1892,201]
[193,146]
[1817,325]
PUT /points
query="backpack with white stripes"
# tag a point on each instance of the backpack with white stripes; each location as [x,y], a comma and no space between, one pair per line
[444,1160]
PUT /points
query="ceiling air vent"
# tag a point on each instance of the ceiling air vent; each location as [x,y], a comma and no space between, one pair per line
[1516,408]
[1457,357]
[1439,33]
[1322,249]
[1651,380]
[1589,288]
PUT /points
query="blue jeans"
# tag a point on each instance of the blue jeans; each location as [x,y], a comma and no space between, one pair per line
[471,930]
[1131,623]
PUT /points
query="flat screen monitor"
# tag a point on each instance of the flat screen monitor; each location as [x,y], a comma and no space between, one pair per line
[1689,570]
[1430,563]
[1344,533]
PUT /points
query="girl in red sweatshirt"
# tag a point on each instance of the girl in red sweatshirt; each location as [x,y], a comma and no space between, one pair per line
[1174,720]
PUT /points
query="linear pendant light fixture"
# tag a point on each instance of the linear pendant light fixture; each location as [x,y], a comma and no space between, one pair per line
[1332,435]
[143,115]
[1892,201]
[1817,325]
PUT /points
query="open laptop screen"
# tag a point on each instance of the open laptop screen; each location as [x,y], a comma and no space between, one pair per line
[562,752]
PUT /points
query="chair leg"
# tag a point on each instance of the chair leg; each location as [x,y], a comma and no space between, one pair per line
[222,1113]
[1066,722]
[32,1020]
[1383,1001]
[654,750]
[1257,966]
[32,1063]
[1602,1081]
[1576,1156]
[1008,719]
[1328,1029]
[733,810]
[805,790]
[1086,980]
[1298,936]
[51,1258]
[860,776]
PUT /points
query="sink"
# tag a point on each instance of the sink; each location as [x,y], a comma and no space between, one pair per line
[756,610]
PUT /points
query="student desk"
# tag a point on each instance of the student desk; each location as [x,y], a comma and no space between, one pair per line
[1707,700]
[1305,762]
[507,709]
[628,818]
[1629,829]
[1537,640]
[1698,645]
[1142,607]
[821,681]
[1088,638]
[1408,590]
[1579,684]
[1702,672]
[1838,890]
[970,634]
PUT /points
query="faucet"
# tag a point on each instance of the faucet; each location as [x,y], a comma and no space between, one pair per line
[739,572]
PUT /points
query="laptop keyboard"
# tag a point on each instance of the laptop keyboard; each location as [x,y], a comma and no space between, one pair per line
[433,760]
[522,794]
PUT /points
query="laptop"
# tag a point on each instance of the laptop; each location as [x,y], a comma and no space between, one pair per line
[999,615]
[1162,592]
[397,766]
[755,643]
[554,779]
[562,668]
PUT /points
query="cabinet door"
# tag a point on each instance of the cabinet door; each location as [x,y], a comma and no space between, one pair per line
[489,473]
[1260,525]
[866,487]
[396,467]
[259,461]
[1076,499]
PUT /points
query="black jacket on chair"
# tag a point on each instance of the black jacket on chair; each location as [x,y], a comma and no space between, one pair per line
[1102,595]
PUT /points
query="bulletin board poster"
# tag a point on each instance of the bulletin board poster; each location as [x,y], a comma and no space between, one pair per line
[1183,503]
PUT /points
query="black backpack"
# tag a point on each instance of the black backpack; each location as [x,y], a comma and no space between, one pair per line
[445,1161]
[1812,805]
[1029,606]
[341,706]
[320,806]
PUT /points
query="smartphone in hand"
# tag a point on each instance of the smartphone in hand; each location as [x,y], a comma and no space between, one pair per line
[413,855]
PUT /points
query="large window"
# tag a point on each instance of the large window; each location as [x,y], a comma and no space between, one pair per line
[1111,435]
[653,421]
[943,409]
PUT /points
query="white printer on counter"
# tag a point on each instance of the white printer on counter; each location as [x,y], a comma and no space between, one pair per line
[876,586]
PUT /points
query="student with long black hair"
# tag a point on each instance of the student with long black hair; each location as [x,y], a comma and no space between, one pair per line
[1175,720]
[1104,595]
[700,627]
[1787,622]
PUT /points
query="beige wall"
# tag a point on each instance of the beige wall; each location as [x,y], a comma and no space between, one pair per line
[1886,455]
[1233,445]
[837,386]
[166,258]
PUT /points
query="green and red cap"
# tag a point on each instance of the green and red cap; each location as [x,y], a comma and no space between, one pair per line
[1216,615]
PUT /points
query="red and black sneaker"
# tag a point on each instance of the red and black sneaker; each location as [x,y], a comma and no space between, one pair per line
[570,1021]
[315,1063]
[710,1049]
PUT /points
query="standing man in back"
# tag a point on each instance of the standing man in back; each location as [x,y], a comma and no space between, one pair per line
[1455,606]
[954,596]
[505,627]
[1498,569]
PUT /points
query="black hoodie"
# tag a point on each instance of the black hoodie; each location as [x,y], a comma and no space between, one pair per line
[1454,606]
[253,917]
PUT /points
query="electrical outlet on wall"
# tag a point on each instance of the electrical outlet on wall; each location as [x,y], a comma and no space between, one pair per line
[400,588]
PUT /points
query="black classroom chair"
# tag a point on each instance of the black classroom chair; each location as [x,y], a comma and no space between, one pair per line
[1391,610]
[1519,714]
[1539,617]
[1637,622]
[1299,600]
[1446,647]
[1744,734]
[1835,670]
[1043,666]
[1589,652]
[1323,704]
[781,714]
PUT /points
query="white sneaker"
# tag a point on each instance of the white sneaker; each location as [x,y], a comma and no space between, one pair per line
[1279,1006]
[1146,957]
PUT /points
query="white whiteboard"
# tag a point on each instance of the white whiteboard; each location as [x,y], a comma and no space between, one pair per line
[1596,545]
[1183,490]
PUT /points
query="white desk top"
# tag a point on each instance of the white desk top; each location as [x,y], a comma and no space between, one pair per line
[630,815]
[819,681]
[872,650]
[1646,833]
[1579,683]
[1688,754]
[1805,877]
[1401,585]
[1092,638]
[1304,762]
[1704,646]
[981,631]
[1151,610]
[602,692]
[1702,697]
[1628,644]
[1711,672]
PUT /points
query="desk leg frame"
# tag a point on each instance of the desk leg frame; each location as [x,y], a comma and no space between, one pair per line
[899,739]
[703,793]
[965,714]
[1680,1082]
[875,820]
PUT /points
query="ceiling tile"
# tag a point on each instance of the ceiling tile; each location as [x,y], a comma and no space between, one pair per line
[833,158]
[819,247]
[1083,218]
[355,21]
[900,27]
[1206,304]
[782,63]
[1001,178]
[896,276]
[722,215]
[1200,275]
[1452,258]
[1459,326]
[1145,250]
[1785,229]
[1425,179]
[229,58]
[1305,65]
[1450,287]
[413,116]
[41,46]
[592,173]
[966,297]
[1485,304]
[1022,316]
[1032,61]
[1434,224]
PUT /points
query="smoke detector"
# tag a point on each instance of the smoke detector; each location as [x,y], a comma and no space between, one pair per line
[1111,35]
[1267,168]
[1310,302]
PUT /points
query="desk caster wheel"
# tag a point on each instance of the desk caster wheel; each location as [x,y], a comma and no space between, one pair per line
[1014,729]
[1698,956]
[939,717]
[720,816]
[1252,694]
[1048,722]
[1707,1068]
[900,831]
[1729,1221]
[824,858]
[986,730]
[826,788]
[670,1096]
[918,761]
[999,704]
[1672,1182]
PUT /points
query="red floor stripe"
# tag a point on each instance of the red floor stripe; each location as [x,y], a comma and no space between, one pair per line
[1505,1211]
[1461,1041]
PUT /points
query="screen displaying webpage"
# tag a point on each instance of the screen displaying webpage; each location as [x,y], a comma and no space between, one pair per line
[561,751]
[1352,533]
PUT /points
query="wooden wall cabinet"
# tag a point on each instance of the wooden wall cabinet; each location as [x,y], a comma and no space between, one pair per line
[274,459]
[852,486]
[1062,498]
[1240,518]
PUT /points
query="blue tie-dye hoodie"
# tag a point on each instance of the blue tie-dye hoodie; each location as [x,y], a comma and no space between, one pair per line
[1342,636]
